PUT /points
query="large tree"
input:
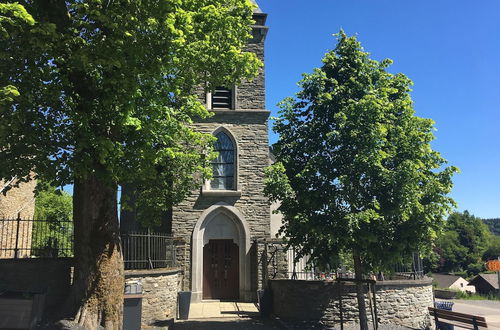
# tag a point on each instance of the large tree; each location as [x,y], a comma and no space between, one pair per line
[355,172]
[99,92]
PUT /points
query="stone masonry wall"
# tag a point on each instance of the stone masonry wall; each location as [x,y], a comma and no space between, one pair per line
[20,201]
[402,303]
[249,127]
[251,94]
[160,288]
[250,132]
[276,259]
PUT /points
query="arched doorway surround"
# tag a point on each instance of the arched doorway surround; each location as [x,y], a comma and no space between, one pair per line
[221,221]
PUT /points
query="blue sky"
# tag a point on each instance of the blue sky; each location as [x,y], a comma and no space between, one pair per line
[451,51]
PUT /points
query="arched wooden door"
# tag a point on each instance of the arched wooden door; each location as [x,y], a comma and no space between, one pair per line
[221,278]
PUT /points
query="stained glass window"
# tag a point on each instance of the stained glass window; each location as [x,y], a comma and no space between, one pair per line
[223,165]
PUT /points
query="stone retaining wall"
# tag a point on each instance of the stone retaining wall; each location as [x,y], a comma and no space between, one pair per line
[402,303]
[160,287]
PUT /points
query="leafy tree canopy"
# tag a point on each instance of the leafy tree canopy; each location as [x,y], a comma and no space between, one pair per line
[493,250]
[355,171]
[53,205]
[107,87]
[52,233]
[462,245]
[472,233]
[494,225]
[98,93]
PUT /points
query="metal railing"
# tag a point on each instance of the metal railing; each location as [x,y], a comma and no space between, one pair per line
[32,238]
[413,268]
[28,238]
[275,253]
[148,250]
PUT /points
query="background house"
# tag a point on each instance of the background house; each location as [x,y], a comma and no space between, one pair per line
[485,283]
[453,282]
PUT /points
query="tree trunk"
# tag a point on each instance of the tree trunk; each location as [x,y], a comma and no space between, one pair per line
[358,271]
[97,293]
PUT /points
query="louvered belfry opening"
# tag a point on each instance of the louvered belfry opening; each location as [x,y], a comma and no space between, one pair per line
[222,98]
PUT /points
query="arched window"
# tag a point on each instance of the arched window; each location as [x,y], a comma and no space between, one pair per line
[223,165]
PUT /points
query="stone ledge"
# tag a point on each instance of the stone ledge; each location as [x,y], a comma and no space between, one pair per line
[418,282]
[258,113]
[240,111]
[221,193]
[152,272]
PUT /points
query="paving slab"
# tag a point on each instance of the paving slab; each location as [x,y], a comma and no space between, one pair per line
[222,309]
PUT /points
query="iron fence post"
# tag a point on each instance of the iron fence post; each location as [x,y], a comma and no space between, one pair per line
[16,249]
[150,264]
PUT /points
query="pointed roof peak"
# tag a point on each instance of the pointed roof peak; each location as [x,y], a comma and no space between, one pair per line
[256,10]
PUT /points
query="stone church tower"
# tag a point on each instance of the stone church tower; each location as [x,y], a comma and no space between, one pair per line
[222,222]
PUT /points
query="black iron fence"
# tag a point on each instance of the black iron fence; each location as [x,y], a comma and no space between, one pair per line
[148,250]
[282,263]
[32,238]
[27,238]
[411,268]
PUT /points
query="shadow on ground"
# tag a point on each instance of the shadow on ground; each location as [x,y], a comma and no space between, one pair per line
[225,324]
[241,313]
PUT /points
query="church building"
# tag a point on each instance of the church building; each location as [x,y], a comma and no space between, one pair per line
[222,223]
[230,212]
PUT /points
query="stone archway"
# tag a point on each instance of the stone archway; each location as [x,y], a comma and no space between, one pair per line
[221,221]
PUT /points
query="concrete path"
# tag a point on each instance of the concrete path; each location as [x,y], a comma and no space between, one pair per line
[222,309]
[490,309]
[215,315]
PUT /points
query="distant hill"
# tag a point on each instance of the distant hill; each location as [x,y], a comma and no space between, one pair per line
[494,225]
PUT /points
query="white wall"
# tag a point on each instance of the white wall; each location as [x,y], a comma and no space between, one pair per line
[462,285]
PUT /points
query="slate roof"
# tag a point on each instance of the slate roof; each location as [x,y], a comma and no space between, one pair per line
[492,279]
[445,280]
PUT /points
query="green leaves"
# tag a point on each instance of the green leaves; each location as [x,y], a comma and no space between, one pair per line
[355,170]
[53,205]
[13,15]
[462,244]
[110,87]
[7,94]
